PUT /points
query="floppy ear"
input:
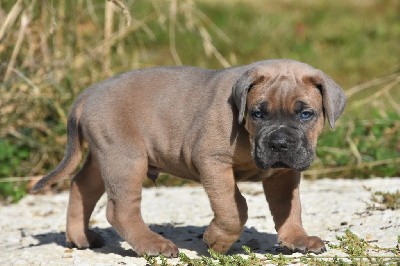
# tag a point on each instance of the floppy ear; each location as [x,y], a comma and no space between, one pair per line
[333,97]
[241,88]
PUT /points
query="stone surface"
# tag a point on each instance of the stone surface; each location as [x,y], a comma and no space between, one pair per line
[32,231]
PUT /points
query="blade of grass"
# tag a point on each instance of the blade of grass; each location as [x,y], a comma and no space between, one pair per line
[11,18]
[171,28]
[375,82]
[25,18]
[108,30]
[377,94]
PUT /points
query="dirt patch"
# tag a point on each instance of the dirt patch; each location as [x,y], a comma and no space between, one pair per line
[32,231]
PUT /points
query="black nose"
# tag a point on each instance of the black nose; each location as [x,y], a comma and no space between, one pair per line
[279,144]
[278,141]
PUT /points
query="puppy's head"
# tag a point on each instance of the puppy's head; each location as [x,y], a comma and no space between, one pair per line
[283,105]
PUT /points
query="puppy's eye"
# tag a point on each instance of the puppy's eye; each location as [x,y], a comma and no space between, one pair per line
[306,115]
[257,114]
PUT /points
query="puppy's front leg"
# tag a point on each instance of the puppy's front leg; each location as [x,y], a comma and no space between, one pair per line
[228,205]
[282,193]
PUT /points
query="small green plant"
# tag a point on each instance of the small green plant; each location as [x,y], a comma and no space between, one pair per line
[217,259]
[279,259]
[357,252]
[351,244]
[386,200]
[156,261]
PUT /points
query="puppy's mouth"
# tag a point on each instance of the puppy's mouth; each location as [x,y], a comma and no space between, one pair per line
[300,166]
[280,165]
[298,160]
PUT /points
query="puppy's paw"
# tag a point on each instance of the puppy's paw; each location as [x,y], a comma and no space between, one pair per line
[153,244]
[219,240]
[89,240]
[303,244]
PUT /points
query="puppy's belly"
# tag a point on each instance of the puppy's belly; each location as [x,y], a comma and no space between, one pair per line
[180,170]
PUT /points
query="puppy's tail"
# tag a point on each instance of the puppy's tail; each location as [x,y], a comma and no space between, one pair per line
[73,152]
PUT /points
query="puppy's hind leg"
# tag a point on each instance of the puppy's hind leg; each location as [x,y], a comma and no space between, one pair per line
[123,172]
[86,188]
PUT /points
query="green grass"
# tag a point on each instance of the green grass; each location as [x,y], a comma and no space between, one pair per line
[376,139]
[63,52]
[11,157]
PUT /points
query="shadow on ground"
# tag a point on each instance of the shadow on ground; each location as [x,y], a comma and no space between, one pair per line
[185,237]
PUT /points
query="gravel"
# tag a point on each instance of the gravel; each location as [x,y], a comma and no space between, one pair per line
[32,231]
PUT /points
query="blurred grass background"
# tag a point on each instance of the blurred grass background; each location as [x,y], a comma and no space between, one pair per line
[51,50]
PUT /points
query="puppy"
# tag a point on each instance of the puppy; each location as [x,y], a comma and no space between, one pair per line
[258,122]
